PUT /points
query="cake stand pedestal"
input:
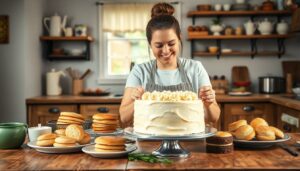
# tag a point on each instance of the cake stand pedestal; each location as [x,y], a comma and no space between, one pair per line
[170,146]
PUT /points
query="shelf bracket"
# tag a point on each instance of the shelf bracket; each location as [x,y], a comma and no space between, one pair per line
[253,48]
[281,47]
[219,48]
[193,20]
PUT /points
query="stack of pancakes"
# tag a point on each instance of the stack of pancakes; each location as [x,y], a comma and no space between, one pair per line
[110,144]
[64,141]
[67,118]
[105,122]
[221,142]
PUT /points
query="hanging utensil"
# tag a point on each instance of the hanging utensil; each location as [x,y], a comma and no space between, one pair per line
[85,74]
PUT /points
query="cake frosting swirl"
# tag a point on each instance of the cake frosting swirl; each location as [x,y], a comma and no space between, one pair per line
[169,113]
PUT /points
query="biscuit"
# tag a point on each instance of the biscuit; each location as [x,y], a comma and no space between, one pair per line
[107,116]
[110,147]
[96,125]
[71,119]
[75,131]
[64,145]
[65,140]
[278,132]
[72,114]
[45,143]
[60,132]
[47,136]
[86,139]
[106,122]
[235,125]
[110,140]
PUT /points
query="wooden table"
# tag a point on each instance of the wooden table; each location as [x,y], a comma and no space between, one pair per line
[273,158]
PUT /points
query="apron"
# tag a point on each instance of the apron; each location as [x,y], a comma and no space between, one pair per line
[184,86]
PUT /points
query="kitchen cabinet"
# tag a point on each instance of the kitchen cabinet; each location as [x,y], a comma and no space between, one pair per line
[252,38]
[248,111]
[288,119]
[54,48]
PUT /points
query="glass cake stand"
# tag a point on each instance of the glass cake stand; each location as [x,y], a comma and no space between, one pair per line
[170,146]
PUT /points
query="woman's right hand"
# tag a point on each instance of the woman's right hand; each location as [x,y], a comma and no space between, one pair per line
[137,93]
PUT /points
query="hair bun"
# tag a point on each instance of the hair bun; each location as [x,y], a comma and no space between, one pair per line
[162,9]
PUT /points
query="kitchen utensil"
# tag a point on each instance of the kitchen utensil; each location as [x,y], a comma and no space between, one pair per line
[218,7]
[85,74]
[53,86]
[71,73]
[250,27]
[271,85]
[268,5]
[226,7]
[56,25]
[80,30]
[213,49]
[68,31]
[296,91]
[35,132]
[77,87]
[265,27]
[288,149]
[282,27]
[12,135]
[204,7]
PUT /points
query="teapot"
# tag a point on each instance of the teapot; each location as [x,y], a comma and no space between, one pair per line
[53,87]
[56,25]
[265,27]
[282,27]
[250,27]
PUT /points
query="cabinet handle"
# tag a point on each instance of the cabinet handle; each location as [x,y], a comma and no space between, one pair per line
[248,108]
[54,110]
[103,110]
[287,128]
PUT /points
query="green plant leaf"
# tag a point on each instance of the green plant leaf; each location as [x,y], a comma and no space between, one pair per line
[150,158]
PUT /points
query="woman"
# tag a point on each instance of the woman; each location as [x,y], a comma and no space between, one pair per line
[167,71]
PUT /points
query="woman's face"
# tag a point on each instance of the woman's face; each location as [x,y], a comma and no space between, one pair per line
[165,46]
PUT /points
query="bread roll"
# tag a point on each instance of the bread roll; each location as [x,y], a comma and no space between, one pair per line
[278,132]
[235,125]
[75,131]
[245,132]
[265,133]
[60,132]
[257,122]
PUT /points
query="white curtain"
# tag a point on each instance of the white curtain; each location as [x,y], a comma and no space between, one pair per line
[125,17]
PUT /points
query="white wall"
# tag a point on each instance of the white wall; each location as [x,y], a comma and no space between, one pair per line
[85,12]
[20,64]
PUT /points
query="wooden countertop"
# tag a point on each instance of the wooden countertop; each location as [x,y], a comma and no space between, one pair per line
[277,99]
[273,158]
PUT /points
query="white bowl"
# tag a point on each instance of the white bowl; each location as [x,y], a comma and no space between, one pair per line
[297,91]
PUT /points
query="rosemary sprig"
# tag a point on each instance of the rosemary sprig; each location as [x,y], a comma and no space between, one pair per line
[150,158]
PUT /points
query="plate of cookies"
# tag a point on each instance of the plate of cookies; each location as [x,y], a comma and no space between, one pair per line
[71,139]
[257,134]
[109,147]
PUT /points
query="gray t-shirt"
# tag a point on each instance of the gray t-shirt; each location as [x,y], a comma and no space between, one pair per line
[196,73]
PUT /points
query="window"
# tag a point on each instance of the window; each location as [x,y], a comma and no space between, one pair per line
[122,40]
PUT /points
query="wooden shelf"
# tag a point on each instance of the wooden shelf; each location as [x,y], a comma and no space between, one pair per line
[67,57]
[237,53]
[78,38]
[236,13]
[273,36]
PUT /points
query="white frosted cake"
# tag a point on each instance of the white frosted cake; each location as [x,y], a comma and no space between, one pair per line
[169,113]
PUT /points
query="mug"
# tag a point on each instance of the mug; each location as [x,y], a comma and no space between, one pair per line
[35,132]
[12,135]
[226,7]
[68,32]
[218,7]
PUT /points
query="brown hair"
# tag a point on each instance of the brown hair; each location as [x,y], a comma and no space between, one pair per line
[162,18]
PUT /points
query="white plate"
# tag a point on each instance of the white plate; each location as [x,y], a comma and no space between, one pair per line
[91,151]
[259,144]
[95,134]
[247,93]
[56,149]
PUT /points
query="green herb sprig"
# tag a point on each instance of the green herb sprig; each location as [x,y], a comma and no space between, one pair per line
[150,158]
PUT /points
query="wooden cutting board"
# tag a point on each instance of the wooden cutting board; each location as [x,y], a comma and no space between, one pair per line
[240,74]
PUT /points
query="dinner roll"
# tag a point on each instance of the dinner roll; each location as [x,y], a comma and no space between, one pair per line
[235,125]
[75,131]
[245,132]
[278,132]
[265,133]
[257,122]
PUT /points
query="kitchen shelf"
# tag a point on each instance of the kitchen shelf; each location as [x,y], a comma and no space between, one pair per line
[48,43]
[193,37]
[238,13]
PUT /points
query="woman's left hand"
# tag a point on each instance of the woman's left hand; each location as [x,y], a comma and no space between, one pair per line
[207,94]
